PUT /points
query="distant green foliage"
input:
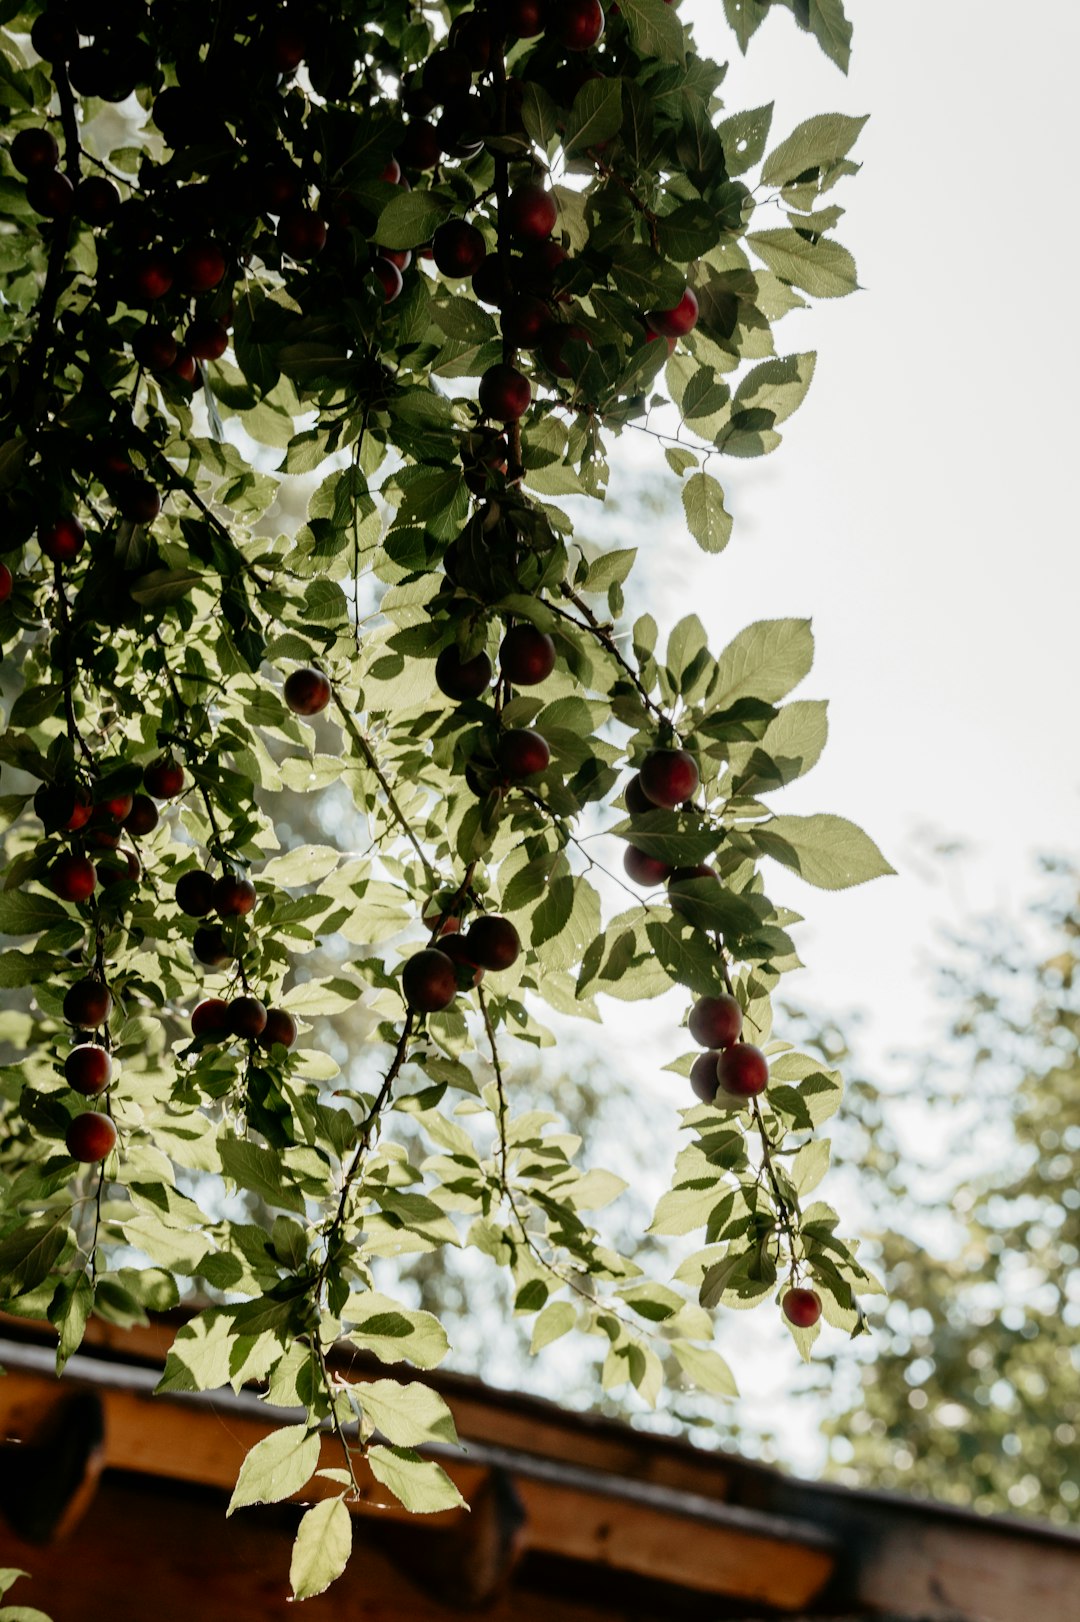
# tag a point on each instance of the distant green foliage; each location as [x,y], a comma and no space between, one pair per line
[145,362]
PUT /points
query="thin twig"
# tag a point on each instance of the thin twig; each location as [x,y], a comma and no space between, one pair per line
[369,756]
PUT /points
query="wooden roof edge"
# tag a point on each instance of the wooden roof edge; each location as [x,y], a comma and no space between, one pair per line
[722,1476]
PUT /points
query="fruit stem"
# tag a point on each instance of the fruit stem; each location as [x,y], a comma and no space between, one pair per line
[605,638]
[514,470]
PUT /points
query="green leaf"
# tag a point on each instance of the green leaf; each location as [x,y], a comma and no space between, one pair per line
[556,1320]
[765,661]
[27,1254]
[832,30]
[654,29]
[410,219]
[745,17]
[420,1484]
[260,1170]
[595,116]
[810,1165]
[705,1368]
[407,1415]
[744,137]
[23,913]
[826,851]
[322,1548]
[816,144]
[777,386]
[278,1466]
[161,587]
[395,1333]
[822,268]
[707,519]
[69,1310]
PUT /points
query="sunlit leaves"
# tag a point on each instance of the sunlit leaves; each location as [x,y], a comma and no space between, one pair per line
[826,851]
[276,1467]
[322,1548]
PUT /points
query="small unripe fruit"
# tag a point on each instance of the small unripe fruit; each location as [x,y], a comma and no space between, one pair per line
[668,777]
[505,393]
[88,1069]
[195,893]
[678,321]
[279,1030]
[206,339]
[87,1004]
[307,691]
[7,582]
[63,540]
[578,24]
[164,778]
[801,1307]
[210,1018]
[34,151]
[531,213]
[72,878]
[703,1077]
[493,943]
[50,193]
[716,1022]
[90,1137]
[234,897]
[142,819]
[458,248]
[247,1017]
[526,656]
[138,500]
[460,678]
[201,265]
[210,946]
[743,1070]
[523,753]
[302,233]
[97,200]
[643,868]
[429,981]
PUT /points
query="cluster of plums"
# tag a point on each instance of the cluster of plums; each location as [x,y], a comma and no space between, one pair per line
[95,826]
[667,779]
[432,977]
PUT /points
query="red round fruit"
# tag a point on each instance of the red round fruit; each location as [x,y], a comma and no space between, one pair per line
[201,265]
[142,819]
[420,147]
[152,275]
[195,893]
[210,1018]
[703,1076]
[81,811]
[34,152]
[138,500]
[87,1004]
[279,1030]
[505,393]
[121,868]
[63,540]
[539,264]
[302,233]
[554,343]
[474,36]
[112,807]
[429,981]
[635,798]
[460,678]
[525,320]
[487,282]
[523,753]
[210,946]
[184,366]
[307,691]
[447,73]
[97,200]
[531,212]
[247,1017]
[716,1022]
[164,778]
[578,24]
[286,45]
[7,582]
[643,868]
[456,948]
[50,193]
[234,897]
[434,911]
[392,172]
[743,1070]
[801,1307]
[72,878]
[401,257]
[668,777]
[458,248]
[206,339]
[155,348]
[88,1069]
[493,943]
[280,186]
[526,656]
[54,36]
[524,18]
[678,321]
[90,1137]
[389,277]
